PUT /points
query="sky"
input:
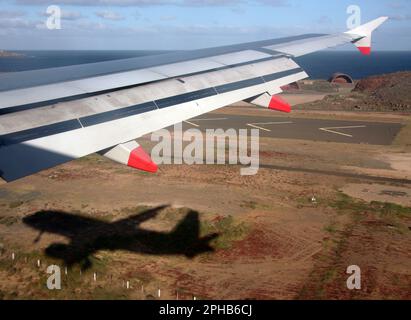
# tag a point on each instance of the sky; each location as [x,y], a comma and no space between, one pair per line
[189,24]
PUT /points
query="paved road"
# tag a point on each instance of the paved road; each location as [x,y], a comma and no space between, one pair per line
[377,133]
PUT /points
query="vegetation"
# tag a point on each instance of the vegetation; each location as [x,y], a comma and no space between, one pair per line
[228,229]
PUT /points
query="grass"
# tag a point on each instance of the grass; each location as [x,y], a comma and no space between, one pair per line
[328,262]
[332,228]
[228,229]
[92,158]
[404,136]
[73,284]
[81,285]
[345,203]
[249,205]
[385,209]
[8,220]
[388,213]
[15,204]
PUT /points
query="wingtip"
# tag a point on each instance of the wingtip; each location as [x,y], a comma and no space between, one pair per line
[362,35]
[382,19]
[367,28]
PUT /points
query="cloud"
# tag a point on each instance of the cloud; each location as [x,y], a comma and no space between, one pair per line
[71,15]
[109,15]
[168,18]
[274,3]
[323,20]
[140,3]
[16,23]
[401,17]
[238,10]
[396,5]
[66,15]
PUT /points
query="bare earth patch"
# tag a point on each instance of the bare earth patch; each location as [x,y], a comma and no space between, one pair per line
[382,193]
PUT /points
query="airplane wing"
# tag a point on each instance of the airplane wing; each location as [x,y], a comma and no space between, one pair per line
[51,116]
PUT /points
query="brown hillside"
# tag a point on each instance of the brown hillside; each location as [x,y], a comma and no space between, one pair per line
[382,93]
[391,90]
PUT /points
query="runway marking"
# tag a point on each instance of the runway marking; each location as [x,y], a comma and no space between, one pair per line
[257,125]
[267,123]
[211,119]
[331,130]
[193,124]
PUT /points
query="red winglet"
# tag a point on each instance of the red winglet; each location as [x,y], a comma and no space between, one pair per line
[139,159]
[279,104]
[365,50]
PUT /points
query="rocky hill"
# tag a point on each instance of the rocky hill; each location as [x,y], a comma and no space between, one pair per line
[383,93]
[391,90]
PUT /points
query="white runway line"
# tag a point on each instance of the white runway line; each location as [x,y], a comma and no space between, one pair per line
[267,123]
[193,124]
[211,119]
[331,130]
[257,125]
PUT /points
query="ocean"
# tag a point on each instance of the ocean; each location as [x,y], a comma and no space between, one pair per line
[320,65]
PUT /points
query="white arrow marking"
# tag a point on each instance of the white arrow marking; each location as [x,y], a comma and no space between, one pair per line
[331,130]
[267,123]
[193,124]
[257,125]
[212,119]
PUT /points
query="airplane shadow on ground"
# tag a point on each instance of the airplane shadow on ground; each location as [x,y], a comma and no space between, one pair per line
[88,235]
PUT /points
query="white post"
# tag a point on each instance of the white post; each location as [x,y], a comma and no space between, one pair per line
[13,256]
[159,293]
[38,263]
[95,276]
[128,284]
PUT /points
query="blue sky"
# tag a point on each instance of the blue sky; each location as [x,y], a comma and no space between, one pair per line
[189,24]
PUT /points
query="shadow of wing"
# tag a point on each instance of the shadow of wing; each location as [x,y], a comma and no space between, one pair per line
[65,224]
[139,218]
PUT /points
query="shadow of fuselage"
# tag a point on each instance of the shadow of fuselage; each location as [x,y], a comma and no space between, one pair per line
[88,235]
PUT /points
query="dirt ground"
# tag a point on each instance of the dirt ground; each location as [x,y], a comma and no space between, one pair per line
[289,232]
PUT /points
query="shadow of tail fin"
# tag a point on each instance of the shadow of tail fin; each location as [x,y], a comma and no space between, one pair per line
[188,230]
[187,235]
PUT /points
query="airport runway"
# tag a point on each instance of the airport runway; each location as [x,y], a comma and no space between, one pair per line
[377,133]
